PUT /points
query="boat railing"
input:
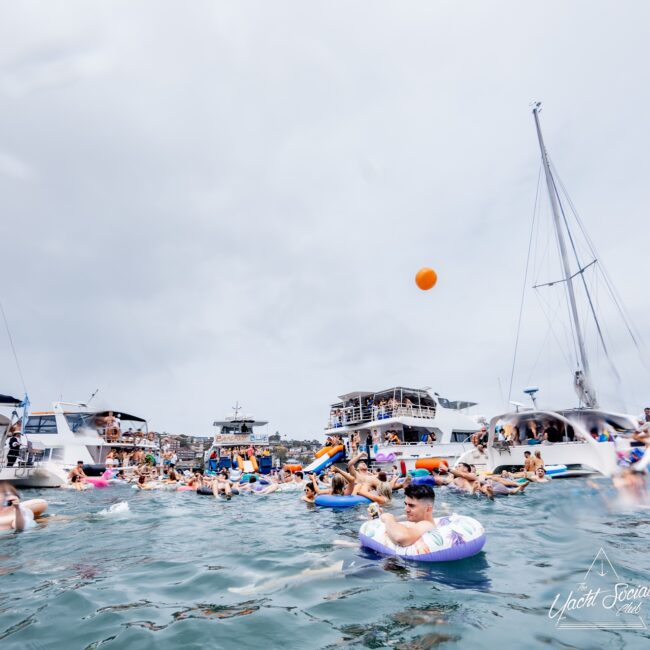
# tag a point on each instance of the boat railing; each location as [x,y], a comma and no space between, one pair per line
[27,457]
[136,438]
[350,415]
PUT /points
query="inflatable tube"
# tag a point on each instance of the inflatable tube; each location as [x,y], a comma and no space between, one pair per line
[335,501]
[185,488]
[455,537]
[37,506]
[424,480]
[381,457]
[402,467]
[234,490]
[253,461]
[430,463]
[323,450]
[291,487]
[419,472]
[206,491]
[97,481]
[240,462]
[293,468]
[554,470]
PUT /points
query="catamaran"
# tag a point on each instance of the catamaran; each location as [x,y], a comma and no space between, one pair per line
[401,425]
[586,438]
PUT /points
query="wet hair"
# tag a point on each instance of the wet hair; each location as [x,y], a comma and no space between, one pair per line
[338,484]
[300,475]
[309,488]
[252,479]
[420,493]
[382,476]
[466,465]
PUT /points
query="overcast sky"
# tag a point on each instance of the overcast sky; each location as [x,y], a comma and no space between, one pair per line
[216,201]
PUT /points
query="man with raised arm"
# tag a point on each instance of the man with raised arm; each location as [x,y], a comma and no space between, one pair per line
[418,506]
[360,473]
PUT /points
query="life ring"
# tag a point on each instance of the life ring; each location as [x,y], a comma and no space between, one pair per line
[337,501]
[293,468]
[385,458]
[322,452]
[430,463]
[455,537]
[205,490]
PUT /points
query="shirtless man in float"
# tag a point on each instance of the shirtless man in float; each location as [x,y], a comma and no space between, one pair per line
[418,506]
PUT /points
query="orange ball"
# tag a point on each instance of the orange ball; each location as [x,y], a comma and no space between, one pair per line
[426,278]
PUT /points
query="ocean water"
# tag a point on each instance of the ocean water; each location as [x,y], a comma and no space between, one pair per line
[117,568]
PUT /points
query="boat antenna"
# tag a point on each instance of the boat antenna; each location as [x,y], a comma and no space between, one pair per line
[93,395]
[13,347]
[582,376]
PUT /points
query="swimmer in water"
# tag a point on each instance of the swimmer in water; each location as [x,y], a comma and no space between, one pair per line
[310,495]
[539,476]
[15,515]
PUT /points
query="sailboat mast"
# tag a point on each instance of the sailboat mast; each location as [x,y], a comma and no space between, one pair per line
[550,185]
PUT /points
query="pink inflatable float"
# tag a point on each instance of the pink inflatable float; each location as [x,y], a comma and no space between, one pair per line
[100,481]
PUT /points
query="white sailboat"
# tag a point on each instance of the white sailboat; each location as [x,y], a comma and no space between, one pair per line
[584,438]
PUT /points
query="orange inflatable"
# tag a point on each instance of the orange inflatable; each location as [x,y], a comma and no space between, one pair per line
[322,451]
[335,450]
[426,278]
[292,468]
[430,463]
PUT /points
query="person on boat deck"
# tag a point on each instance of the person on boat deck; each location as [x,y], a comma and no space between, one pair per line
[646,415]
[394,438]
[431,437]
[537,460]
[552,433]
[14,449]
[418,507]
[77,475]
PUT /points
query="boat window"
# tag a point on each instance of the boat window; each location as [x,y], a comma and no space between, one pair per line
[460,436]
[78,421]
[40,424]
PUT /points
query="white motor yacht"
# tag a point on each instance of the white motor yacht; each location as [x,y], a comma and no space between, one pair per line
[404,425]
[54,441]
[235,431]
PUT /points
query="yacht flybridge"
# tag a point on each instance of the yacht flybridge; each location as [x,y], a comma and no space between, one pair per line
[54,441]
[586,438]
[404,424]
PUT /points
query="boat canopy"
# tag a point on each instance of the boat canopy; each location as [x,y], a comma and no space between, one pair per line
[229,423]
[8,399]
